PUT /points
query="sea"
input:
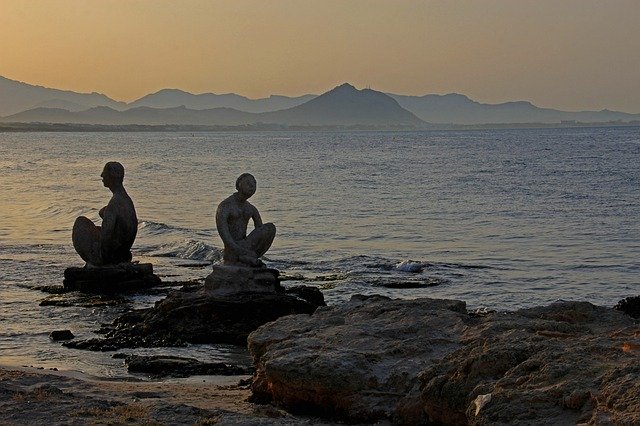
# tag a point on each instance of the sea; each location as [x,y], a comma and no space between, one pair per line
[501,219]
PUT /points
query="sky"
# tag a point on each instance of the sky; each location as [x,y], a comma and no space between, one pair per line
[566,54]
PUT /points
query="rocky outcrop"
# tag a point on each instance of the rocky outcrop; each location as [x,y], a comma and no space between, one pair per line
[199,316]
[358,361]
[430,361]
[630,306]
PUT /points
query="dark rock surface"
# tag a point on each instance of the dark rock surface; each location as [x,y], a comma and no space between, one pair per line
[86,300]
[120,278]
[61,335]
[197,316]
[162,366]
[630,306]
[430,361]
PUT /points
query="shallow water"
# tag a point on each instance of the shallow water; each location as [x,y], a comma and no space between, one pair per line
[500,219]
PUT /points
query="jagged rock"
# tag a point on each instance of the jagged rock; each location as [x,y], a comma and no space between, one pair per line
[311,294]
[110,279]
[429,361]
[164,365]
[566,363]
[197,316]
[61,335]
[630,306]
[357,361]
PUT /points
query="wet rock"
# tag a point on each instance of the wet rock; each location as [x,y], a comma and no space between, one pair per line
[61,335]
[630,306]
[51,289]
[124,277]
[429,361]
[162,366]
[311,294]
[292,277]
[196,316]
[429,282]
[410,266]
[82,299]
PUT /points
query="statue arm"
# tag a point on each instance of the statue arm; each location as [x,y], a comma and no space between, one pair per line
[257,220]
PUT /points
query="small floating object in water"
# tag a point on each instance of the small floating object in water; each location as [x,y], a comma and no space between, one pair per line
[409,266]
[481,401]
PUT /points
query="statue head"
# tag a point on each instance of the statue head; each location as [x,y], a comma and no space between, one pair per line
[246,185]
[112,174]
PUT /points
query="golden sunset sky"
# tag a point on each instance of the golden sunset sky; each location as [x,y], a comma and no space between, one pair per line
[567,54]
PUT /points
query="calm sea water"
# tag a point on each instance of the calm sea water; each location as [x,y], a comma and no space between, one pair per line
[500,219]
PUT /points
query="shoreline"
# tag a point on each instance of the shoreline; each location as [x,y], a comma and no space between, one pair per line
[38,395]
[32,395]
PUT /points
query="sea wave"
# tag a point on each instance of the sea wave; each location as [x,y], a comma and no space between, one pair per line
[156,228]
[187,249]
[66,210]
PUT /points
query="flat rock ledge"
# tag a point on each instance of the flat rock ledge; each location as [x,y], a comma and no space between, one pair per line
[196,315]
[429,361]
[172,366]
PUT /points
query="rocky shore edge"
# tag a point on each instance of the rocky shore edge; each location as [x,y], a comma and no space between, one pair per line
[380,360]
[430,361]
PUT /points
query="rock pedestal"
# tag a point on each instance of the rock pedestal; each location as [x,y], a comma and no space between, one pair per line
[229,279]
[234,301]
[110,279]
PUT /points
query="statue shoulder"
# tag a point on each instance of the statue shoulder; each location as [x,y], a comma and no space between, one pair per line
[225,205]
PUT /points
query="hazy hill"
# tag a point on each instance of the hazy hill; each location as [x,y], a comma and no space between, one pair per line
[345,105]
[140,115]
[170,98]
[459,109]
[16,96]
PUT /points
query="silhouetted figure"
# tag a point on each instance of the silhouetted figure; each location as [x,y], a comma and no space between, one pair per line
[110,243]
[232,218]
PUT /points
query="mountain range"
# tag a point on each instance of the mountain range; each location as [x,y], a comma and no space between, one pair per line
[342,106]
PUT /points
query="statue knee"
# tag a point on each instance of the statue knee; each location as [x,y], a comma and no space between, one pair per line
[270,228]
[81,221]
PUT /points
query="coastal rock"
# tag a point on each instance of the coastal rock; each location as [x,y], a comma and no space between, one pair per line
[164,365]
[197,316]
[111,279]
[630,306]
[61,335]
[429,361]
[357,361]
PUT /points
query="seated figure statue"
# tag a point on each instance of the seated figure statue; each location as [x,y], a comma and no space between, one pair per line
[232,218]
[110,243]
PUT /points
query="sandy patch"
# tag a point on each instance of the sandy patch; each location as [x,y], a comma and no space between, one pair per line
[37,396]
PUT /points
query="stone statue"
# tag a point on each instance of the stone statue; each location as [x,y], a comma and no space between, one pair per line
[232,218]
[110,243]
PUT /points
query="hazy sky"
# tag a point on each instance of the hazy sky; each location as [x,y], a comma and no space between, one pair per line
[568,54]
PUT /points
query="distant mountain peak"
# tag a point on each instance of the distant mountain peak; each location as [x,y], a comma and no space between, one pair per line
[345,87]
